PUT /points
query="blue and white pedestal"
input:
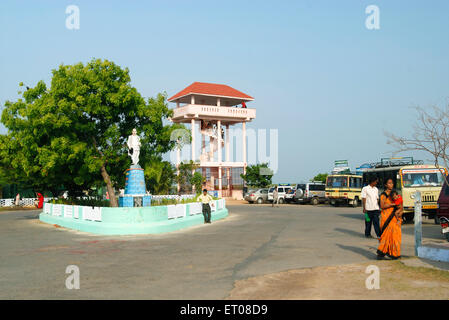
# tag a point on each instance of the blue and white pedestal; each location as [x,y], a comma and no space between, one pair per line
[135,191]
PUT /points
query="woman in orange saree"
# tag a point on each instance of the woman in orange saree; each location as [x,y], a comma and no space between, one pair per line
[390,225]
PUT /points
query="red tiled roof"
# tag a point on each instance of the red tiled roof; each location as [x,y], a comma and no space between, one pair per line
[211,89]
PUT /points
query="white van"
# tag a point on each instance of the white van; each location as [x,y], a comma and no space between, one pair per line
[282,191]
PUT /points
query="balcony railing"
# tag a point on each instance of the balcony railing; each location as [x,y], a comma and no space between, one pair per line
[197,110]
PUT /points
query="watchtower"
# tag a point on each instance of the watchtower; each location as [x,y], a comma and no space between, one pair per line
[214,107]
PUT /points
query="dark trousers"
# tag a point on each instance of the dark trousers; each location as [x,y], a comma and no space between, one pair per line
[374,220]
[206,212]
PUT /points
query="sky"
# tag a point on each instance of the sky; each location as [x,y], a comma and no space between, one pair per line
[329,85]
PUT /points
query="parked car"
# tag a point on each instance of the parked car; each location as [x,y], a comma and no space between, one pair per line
[290,195]
[282,191]
[258,196]
[311,192]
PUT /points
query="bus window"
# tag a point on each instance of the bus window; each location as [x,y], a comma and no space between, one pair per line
[355,182]
[337,182]
[430,178]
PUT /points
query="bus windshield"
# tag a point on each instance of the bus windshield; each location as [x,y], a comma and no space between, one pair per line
[422,178]
[336,182]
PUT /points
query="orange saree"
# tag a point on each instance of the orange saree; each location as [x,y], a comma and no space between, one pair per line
[390,240]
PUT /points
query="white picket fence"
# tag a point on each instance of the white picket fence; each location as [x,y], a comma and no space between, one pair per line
[179,210]
[25,202]
[173,196]
[30,201]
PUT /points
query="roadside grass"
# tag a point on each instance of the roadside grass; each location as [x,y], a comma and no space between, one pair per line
[431,273]
[5,209]
[397,281]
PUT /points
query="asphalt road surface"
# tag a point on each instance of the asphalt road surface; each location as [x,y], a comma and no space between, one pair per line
[201,262]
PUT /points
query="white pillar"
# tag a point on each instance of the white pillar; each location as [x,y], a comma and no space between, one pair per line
[228,170]
[192,100]
[244,146]
[418,221]
[211,149]
[178,161]
[203,138]
[220,186]
[192,124]
[227,143]
[193,138]
[219,141]
[220,156]
[218,102]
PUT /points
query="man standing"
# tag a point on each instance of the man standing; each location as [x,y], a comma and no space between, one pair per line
[205,199]
[134,147]
[275,197]
[370,201]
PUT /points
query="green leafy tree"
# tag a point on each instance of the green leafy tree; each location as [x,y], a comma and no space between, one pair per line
[258,175]
[320,177]
[159,176]
[187,176]
[74,133]
[197,180]
[4,179]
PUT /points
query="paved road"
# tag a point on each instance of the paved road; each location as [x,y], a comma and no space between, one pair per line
[202,262]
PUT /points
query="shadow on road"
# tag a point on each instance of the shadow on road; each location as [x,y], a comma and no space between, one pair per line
[351,232]
[363,252]
[29,217]
[352,216]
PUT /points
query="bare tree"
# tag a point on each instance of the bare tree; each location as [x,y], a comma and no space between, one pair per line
[431,135]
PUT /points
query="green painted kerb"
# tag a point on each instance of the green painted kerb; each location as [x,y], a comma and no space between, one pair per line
[126,221]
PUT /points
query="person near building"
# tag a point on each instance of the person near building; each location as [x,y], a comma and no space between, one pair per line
[205,199]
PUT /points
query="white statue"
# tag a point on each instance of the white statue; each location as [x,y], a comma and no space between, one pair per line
[134,147]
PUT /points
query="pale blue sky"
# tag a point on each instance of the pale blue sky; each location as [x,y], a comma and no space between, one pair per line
[328,84]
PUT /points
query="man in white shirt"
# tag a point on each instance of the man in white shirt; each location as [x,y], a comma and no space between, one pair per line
[205,199]
[370,201]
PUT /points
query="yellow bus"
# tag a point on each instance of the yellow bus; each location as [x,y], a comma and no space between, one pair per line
[409,178]
[344,189]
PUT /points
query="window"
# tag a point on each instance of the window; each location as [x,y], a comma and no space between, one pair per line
[355,182]
[337,182]
[422,178]
[264,191]
[317,187]
[280,189]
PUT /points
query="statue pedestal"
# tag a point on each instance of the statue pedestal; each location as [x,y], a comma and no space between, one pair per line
[135,193]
